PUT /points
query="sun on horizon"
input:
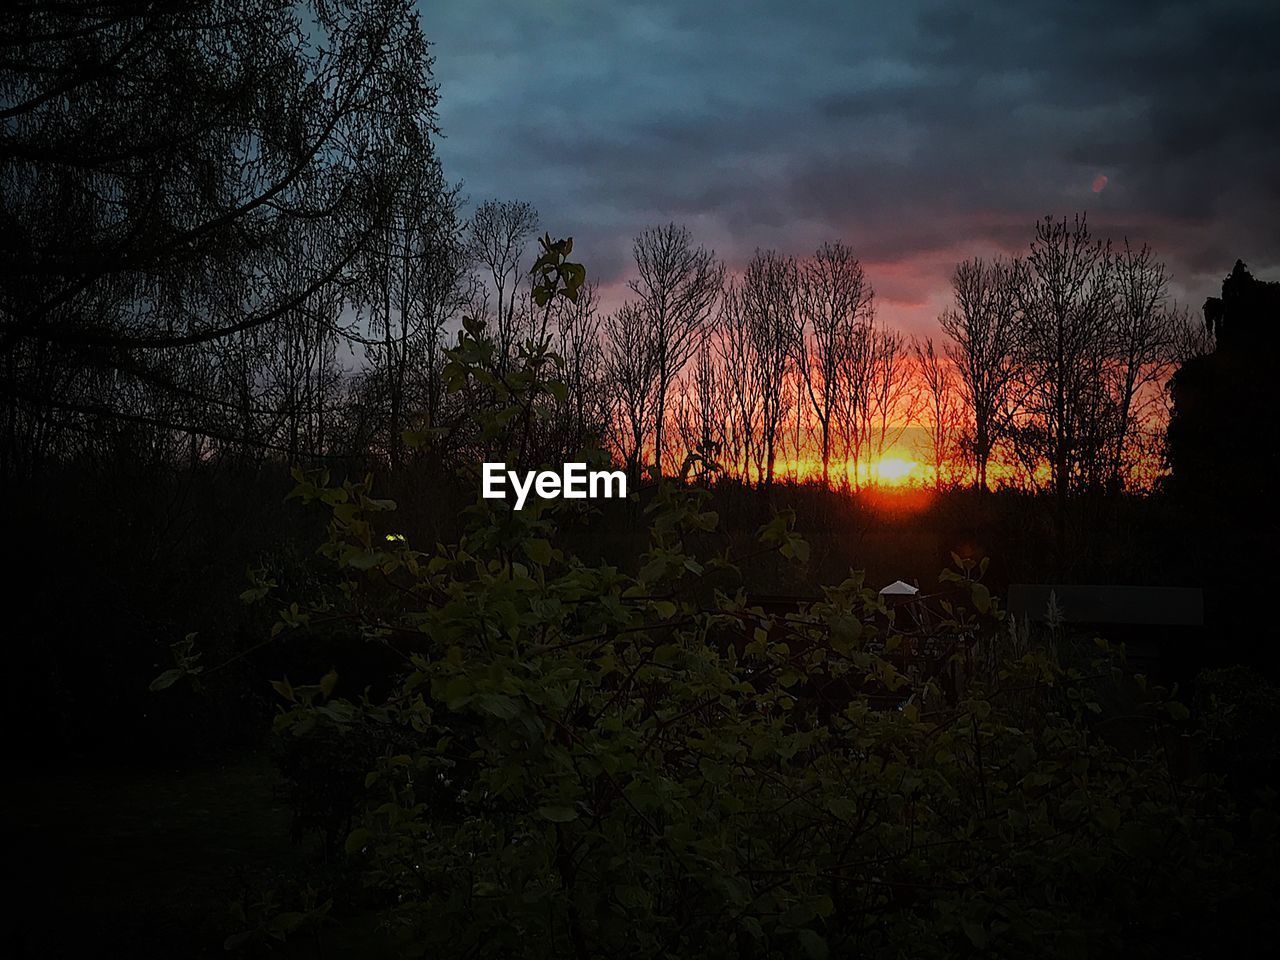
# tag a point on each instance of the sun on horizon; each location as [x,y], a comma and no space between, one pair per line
[893,471]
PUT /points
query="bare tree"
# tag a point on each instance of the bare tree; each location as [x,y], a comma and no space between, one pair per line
[500,232]
[983,332]
[299,377]
[1192,336]
[631,374]
[853,401]
[835,300]
[1062,352]
[579,334]
[735,348]
[677,288]
[942,406]
[1143,347]
[892,401]
[417,276]
[163,171]
[767,297]
[1065,320]
[702,414]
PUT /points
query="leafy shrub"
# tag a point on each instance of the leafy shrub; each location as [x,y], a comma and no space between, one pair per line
[1240,714]
[578,762]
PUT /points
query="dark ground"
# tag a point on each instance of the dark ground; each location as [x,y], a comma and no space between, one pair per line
[146,863]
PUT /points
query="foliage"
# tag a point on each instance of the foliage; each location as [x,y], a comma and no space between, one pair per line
[195,195]
[579,762]
[1240,714]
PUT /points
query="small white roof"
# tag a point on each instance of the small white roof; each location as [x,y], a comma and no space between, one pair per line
[899,589]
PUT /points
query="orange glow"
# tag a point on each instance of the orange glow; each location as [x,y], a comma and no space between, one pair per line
[897,468]
[906,466]
[894,471]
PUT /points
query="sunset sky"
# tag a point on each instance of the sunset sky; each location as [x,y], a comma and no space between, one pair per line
[919,132]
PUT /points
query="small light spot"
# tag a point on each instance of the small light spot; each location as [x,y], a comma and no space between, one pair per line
[1099,183]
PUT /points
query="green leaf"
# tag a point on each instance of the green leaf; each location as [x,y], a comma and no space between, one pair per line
[775,531]
[457,691]
[975,931]
[166,679]
[539,551]
[814,944]
[796,548]
[358,839]
[498,705]
[654,570]
[367,559]
[558,813]
[237,940]
[842,807]
[845,631]
[631,897]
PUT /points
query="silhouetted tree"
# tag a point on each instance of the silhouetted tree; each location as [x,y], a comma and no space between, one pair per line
[631,372]
[1142,343]
[983,328]
[182,176]
[891,405]
[1064,322]
[767,296]
[854,401]
[702,414]
[735,347]
[835,301]
[499,236]
[941,405]
[585,408]
[677,286]
[415,280]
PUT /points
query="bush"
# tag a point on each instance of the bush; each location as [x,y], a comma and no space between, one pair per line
[578,762]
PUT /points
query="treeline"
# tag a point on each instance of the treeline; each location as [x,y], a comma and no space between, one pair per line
[229,246]
[1051,367]
[227,236]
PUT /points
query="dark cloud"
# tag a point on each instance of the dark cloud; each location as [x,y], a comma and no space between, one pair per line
[921,133]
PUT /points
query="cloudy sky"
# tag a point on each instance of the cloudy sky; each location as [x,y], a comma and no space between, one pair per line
[920,133]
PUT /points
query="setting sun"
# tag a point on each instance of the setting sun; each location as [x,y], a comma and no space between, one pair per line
[893,471]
